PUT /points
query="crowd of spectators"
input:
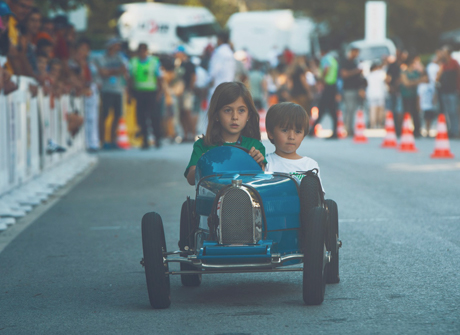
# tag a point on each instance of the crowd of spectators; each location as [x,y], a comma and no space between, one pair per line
[172,90]
[45,49]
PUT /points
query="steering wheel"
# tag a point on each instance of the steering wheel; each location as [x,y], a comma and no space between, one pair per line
[239,147]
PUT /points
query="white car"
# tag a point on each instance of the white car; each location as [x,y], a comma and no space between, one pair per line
[372,51]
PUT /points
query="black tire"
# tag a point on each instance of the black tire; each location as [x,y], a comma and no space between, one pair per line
[310,193]
[309,198]
[153,245]
[332,269]
[187,227]
[314,282]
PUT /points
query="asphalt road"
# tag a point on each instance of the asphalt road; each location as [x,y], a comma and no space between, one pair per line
[75,269]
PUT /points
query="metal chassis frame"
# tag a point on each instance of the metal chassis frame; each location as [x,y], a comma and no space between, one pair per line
[202,268]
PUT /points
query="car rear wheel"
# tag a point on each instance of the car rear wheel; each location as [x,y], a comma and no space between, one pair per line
[332,242]
[153,245]
[187,241]
[314,249]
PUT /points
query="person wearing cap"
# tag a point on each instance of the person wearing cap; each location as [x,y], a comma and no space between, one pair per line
[185,70]
[112,70]
[145,82]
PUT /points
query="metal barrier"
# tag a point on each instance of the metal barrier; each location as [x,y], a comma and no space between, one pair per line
[27,126]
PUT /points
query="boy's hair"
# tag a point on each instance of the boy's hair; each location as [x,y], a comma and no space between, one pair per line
[287,115]
[225,94]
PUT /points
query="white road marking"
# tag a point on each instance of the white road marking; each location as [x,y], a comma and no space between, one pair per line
[425,168]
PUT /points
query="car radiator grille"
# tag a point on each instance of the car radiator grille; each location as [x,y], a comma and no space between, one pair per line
[236,222]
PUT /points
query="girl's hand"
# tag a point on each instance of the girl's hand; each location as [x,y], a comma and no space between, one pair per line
[257,155]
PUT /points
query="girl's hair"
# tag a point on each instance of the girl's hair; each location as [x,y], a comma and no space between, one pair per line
[287,115]
[225,94]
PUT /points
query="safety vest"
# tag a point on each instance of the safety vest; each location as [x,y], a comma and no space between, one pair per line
[331,75]
[145,73]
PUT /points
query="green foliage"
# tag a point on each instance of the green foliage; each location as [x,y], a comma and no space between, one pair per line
[418,23]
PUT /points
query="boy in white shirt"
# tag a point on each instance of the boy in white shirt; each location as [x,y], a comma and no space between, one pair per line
[287,124]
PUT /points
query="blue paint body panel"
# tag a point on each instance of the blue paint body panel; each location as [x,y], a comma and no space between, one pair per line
[280,198]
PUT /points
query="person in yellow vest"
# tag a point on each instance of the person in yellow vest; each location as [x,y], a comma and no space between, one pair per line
[145,87]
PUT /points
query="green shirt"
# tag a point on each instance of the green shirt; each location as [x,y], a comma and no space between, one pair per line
[410,91]
[199,148]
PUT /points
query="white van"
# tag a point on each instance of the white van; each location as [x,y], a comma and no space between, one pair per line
[164,27]
[259,32]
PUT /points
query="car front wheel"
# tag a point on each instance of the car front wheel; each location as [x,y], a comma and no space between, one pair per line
[154,245]
[314,249]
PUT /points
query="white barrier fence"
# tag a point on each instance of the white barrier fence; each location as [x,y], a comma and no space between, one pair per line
[27,125]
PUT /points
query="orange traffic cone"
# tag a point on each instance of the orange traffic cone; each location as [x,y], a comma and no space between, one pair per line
[341,132]
[317,130]
[441,144]
[314,116]
[122,135]
[390,137]
[262,114]
[407,137]
[272,100]
[359,128]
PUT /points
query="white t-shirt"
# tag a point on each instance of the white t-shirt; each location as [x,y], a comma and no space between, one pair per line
[376,85]
[277,163]
[426,93]
[222,66]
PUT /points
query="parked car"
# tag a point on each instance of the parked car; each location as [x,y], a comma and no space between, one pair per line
[371,52]
[245,220]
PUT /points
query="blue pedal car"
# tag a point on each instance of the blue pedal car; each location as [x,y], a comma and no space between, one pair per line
[245,220]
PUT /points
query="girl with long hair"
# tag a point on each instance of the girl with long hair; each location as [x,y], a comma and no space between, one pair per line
[232,120]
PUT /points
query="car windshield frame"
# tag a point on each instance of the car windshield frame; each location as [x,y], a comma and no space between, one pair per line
[373,52]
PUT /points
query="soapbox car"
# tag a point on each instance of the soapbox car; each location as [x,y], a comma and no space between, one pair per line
[243,220]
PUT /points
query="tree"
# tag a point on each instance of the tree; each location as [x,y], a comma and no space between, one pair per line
[418,23]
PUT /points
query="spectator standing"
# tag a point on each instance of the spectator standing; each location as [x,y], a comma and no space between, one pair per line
[29,28]
[80,67]
[427,94]
[329,69]
[273,57]
[61,47]
[352,83]
[187,72]
[222,65]
[300,91]
[411,77]
[375,94]
[146,83]
[257,85]
[288,56]
[448,78]
[113,72]
[17,61]
[46,31]
[394,82]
